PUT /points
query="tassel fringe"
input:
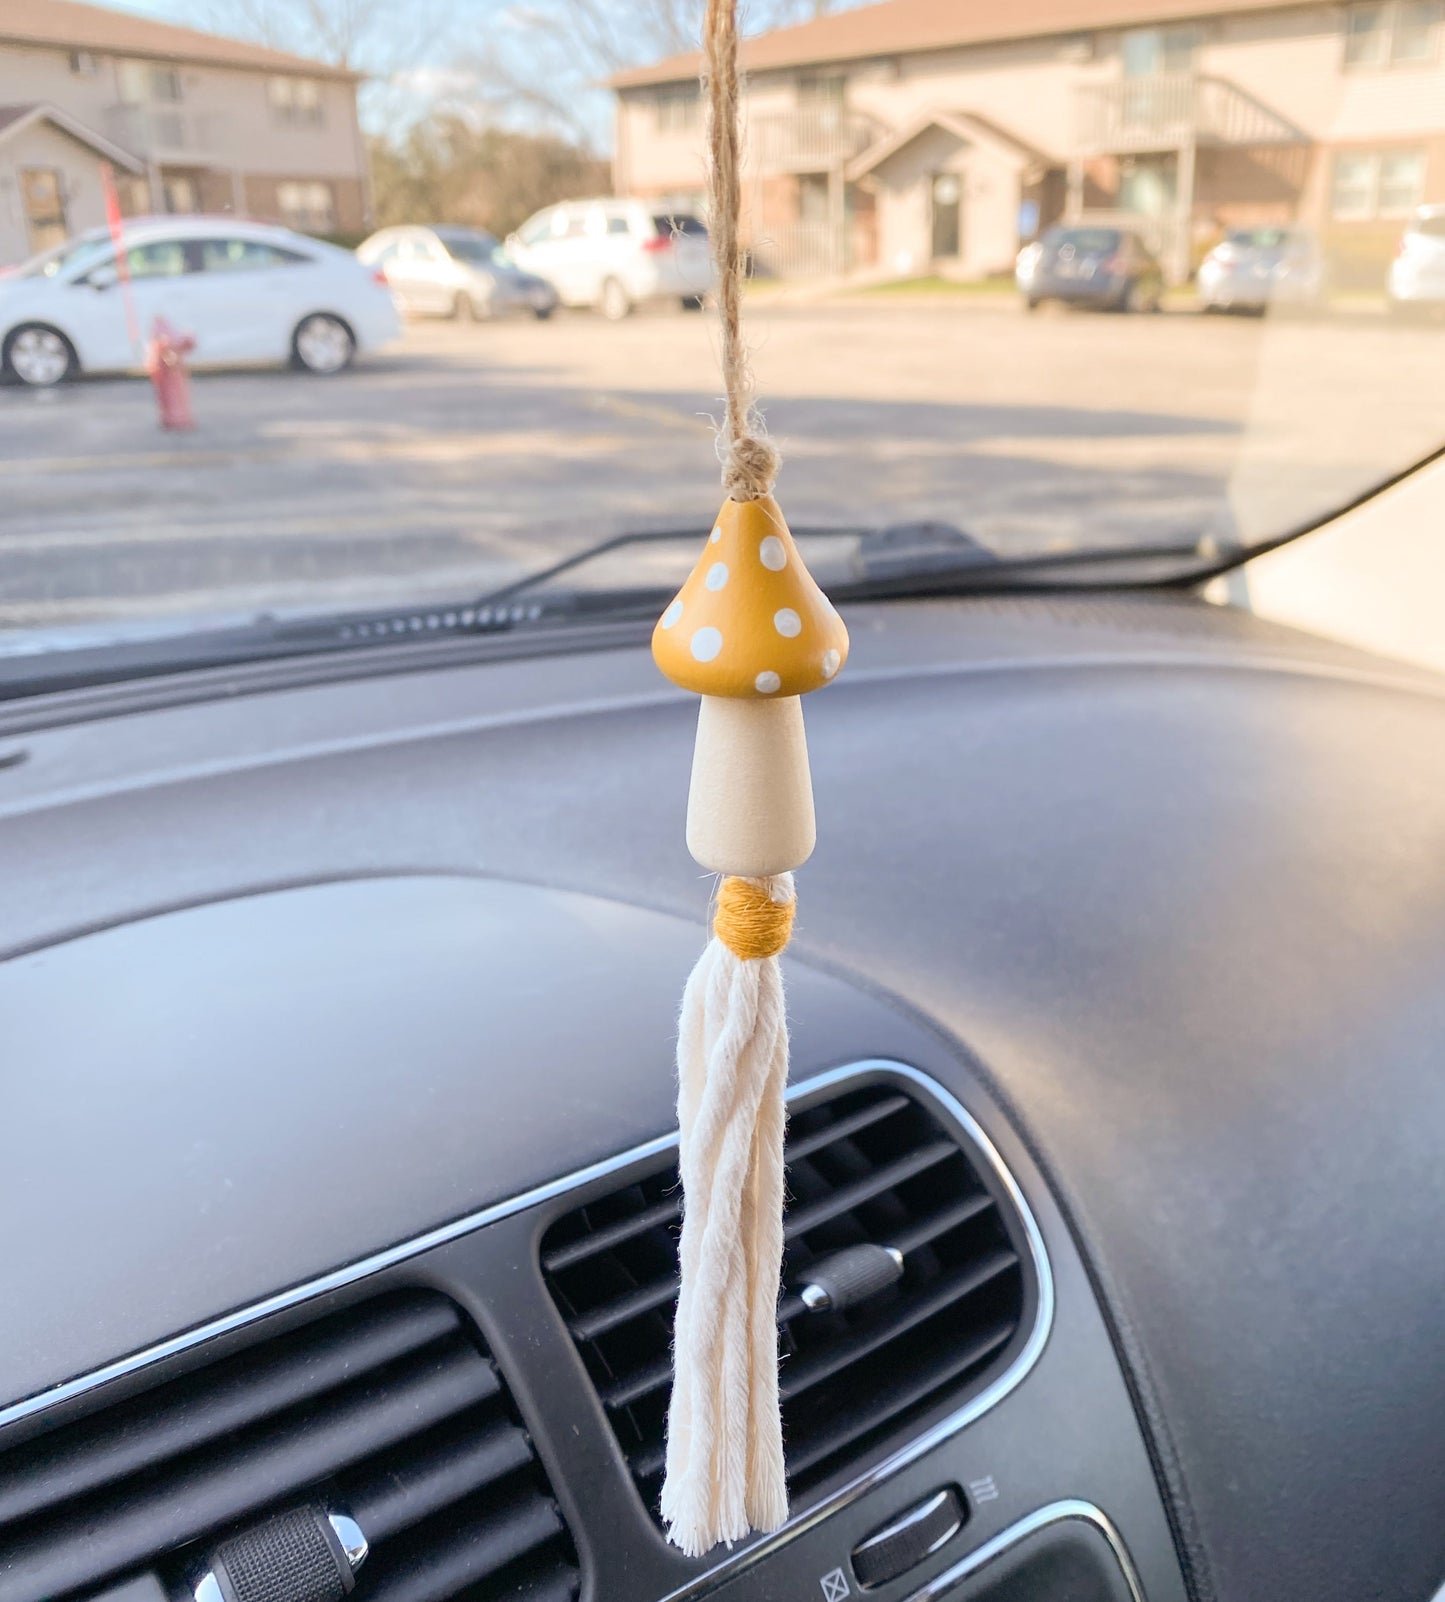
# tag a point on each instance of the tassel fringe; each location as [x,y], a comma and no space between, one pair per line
[725,1473]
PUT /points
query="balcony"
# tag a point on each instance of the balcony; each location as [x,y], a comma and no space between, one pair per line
[1168,110]
[168,133]
[810,139]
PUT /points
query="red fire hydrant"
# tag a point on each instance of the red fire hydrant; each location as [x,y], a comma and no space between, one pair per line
[166,363]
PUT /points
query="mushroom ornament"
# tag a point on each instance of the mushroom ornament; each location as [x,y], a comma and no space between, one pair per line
[751,633]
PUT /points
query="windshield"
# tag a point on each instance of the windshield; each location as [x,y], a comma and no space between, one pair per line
[74,257]
[479,249]
[1089,241]
[986,301]
[1261,238]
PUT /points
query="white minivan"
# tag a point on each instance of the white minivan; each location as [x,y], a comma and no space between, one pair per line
[616,254]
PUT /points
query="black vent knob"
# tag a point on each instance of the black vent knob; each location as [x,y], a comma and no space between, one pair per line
[305,1555]
[844,1278]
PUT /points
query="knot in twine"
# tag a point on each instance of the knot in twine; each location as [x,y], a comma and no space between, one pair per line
[751,467]
[748,921]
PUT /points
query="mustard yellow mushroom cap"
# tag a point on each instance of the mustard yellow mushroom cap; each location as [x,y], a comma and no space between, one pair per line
[750,623]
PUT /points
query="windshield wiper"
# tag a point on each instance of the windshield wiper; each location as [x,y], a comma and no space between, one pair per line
[899,560]
[905,560]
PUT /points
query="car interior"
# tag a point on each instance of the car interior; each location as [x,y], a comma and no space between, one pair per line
[344,926]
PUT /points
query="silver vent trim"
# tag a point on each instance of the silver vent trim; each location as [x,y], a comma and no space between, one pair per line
[746,1555]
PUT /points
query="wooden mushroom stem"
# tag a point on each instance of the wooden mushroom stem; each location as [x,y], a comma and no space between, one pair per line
[750,806]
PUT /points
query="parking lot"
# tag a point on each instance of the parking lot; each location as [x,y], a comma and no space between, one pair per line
[469,452]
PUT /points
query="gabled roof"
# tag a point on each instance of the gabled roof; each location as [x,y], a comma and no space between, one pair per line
[904,27]
[69,25]
[14,119]
[966,126]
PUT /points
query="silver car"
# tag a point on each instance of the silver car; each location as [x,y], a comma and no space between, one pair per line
[1255,268]
[1417,274]
[455,272]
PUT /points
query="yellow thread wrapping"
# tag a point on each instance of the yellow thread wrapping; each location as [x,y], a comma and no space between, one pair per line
[749,922]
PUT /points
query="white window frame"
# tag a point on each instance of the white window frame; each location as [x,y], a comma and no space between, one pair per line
[307,204]
[1180,41]
[1371,202]
[296,102]
[677,108]
[1389,32]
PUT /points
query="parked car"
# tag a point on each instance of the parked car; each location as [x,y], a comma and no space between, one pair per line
[616,254]
[1417,274]
[249,294]
[1255,268]
[455,272]
[1089,265]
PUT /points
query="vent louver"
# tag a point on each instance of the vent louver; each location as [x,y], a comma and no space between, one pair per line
[865,1166]
[390,1412]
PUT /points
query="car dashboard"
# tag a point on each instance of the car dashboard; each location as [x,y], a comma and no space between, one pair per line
[341,1188]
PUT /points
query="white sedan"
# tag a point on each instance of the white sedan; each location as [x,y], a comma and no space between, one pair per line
[249,295]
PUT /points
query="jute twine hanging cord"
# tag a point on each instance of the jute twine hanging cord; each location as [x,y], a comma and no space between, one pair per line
[750,461]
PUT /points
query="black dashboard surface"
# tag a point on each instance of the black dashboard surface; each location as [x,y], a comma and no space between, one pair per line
[1174,879]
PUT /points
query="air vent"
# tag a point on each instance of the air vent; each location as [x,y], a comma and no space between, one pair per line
[390,1413]
[868,1167]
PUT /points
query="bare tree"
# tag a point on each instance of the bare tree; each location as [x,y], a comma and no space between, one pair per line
[378,38]
[545,60]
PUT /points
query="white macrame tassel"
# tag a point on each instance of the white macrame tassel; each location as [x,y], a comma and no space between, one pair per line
[725,1471]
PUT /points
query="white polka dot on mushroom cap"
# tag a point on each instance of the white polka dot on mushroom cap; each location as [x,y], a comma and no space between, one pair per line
[767,683]
[787,622]
[715,536]
[831,660]
[717,576]
[671,615]
[772,554]
[706,644]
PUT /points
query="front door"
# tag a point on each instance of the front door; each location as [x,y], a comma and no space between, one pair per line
[947,215]
[43,195]
[1148,185]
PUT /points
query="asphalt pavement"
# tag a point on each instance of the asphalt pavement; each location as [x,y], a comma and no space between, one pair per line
[469,453]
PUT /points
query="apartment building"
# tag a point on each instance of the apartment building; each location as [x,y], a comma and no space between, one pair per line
[187,121]
[936,135]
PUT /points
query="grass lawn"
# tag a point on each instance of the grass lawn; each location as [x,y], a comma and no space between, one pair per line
[934,285]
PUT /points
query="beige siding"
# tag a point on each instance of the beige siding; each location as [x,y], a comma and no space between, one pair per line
[224,136]
[228,110]
[41,145]
[1288,63]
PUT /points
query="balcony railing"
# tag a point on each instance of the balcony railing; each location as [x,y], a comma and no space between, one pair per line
[810,139]
[800,250]
[1169,109]
[167,133]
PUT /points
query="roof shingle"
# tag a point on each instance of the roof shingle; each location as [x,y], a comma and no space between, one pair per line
[903,27]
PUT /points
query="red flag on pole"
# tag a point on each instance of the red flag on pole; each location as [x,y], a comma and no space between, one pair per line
[116,225]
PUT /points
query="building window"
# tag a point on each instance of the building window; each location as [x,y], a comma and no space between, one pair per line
[310,207]
[816,90]
[1402,182]
[1147,51]
[1376,183]
[1393,33]
[83,63]
[146,83]
[679,108]
[179,193]
[296,101]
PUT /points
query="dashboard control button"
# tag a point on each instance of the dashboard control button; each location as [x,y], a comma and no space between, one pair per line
[913,1535]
